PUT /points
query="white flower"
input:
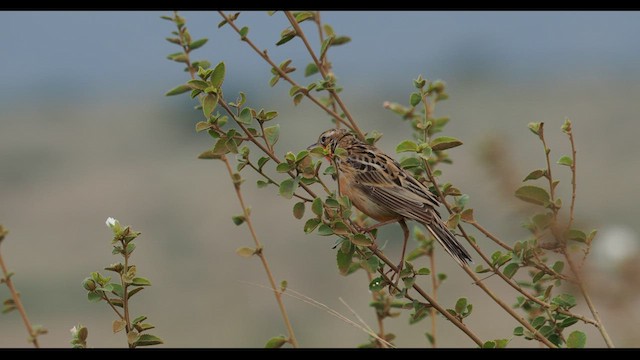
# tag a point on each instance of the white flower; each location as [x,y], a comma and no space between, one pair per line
[74,330]
[111,222]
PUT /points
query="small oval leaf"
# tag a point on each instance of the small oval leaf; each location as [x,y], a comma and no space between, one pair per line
[245,251]
[533,194]
[444,142]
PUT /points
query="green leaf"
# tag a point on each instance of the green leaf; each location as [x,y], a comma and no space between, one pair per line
[275,342]
[272,133]
[328,30]
[344,261]
[310,225]
[178,57]
[566,127]
[535,174]
[270,115]
[311,69]
[461,304]
[148,340]
[202,125]
[558,266]
[316,206]
[501,343]
[118,325]
[245,116]
[340,40]
[217,76]
[489,344]
[566,301]
[415,99]
[538,322]
[566,161]
[245,251]
[325,46]
[444,142]
[209,104]
[244,31]
[198,84]
[325,230]
[533,194]
[510,270]
[568,322]
[178,90]
[423,271]
[376,284]
[406,146]
[283,167]
[576,340]
[535,128]
[297,99]
[304,15]
[361,239]
[198,43]
[518,331]
[410,163]
[238,219]
[287,188]
[298,210]
[94,296]
[139,319]
[576,235]
[140,281]
[286,37]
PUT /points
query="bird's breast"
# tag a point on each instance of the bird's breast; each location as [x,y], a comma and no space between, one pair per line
[362,201]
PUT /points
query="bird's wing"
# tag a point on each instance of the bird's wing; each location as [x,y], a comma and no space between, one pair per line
[391,186]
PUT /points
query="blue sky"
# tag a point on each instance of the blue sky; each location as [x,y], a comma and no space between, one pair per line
[90,54]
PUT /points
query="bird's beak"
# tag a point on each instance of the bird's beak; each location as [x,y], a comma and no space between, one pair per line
[312,146]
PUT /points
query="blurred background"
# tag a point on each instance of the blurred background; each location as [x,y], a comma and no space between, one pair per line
[86,133]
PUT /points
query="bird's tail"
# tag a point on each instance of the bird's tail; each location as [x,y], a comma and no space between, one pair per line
[446,238]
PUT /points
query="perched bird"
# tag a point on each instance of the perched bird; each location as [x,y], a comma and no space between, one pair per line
[380,188]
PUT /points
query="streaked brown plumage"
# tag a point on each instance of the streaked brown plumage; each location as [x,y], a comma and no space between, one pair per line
[380,188]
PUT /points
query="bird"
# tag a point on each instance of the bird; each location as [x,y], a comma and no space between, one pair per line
[380,188]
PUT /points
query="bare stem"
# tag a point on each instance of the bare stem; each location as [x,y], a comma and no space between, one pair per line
[573,179]
[592,308]
[33,336]
[125,296]
[561,240]
[377,296]
[434,290]
[324,73]
[460,325]
[477,280]
[260,254]
[283,75]
[259,248]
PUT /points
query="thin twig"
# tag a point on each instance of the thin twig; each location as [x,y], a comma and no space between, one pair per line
[434,290]
[573,179]
[259,248]
[377,296]
[33,336]
[460,325]
[574,270]
[477,280]
[260,254]
[323,72]
[592,308]
[303,90]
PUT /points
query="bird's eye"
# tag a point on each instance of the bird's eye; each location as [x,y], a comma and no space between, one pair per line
[323,138]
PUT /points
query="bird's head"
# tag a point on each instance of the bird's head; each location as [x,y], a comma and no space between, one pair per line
[329,139]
